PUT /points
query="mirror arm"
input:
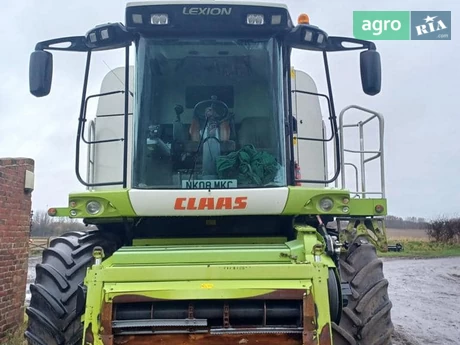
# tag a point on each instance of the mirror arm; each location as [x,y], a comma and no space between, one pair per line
[76,44]
[335,43]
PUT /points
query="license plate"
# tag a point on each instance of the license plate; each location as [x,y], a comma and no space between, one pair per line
[209,184]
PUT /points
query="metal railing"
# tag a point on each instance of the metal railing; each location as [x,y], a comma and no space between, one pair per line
[90,160]
[377,154]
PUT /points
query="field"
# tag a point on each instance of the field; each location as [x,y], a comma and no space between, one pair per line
[417,245]
[407,234]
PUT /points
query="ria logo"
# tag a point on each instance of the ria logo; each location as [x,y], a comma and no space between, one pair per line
[207,11]
[431,25]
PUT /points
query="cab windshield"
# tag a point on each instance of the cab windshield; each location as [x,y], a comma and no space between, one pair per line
[208,114]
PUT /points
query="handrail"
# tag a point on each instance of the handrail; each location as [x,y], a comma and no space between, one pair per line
[362,151]
[90,153]
[356,173]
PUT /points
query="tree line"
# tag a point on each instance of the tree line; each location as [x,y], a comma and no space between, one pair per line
[406,223]
[440,229]
[444,229]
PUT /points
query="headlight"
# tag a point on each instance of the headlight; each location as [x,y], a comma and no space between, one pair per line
[326,204]
[93,207]
[159,19]
[255,19]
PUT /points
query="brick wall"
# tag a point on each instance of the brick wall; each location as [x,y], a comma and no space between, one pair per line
[15,207]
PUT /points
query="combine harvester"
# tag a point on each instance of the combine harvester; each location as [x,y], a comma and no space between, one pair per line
[208,182]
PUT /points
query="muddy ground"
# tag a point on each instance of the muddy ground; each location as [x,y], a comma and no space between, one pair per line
[426,300]
[425,294]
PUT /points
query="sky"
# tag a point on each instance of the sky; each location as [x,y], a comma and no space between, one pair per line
[419,99]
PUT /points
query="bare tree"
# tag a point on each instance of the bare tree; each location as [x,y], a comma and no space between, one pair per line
[45,226]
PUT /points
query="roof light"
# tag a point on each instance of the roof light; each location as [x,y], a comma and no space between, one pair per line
[159,19]
[308,35]
[137,19]
[255,19]
[320,38]
[104,34]
[92,37]
[276,19]
[303,19]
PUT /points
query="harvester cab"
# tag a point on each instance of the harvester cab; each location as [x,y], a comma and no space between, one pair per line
[208,183]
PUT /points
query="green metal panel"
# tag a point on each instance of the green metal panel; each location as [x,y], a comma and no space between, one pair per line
[198,272]
[205,241]
[303,200]
[202,289]
[213,271]
[115,204]
[366,207]
[306,201]
[207,254]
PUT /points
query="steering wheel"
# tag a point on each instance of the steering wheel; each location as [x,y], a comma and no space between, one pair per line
[214,108]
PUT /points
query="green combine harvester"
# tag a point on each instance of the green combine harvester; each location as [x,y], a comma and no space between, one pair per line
[218,216]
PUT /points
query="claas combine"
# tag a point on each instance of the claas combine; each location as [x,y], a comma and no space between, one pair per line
[215,215]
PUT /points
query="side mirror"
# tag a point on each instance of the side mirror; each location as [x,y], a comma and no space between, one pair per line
[371,75]
[40,73]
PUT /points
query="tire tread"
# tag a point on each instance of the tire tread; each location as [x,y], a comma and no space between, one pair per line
[366,320]
[53,319]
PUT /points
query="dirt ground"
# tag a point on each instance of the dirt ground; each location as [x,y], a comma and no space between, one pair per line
[425,294]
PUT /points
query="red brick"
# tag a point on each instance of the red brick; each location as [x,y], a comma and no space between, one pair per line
[15,207]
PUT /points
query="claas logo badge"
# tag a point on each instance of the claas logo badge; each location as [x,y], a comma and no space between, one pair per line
[223,203]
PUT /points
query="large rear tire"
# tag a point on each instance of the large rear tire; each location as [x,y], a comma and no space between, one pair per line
[53,316]
[366,320]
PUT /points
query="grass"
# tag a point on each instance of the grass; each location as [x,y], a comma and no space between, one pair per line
[17,338]
[416,248]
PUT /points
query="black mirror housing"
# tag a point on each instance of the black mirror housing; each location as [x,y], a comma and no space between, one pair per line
[307,37]
[108,36]
[371,74]
[40,73]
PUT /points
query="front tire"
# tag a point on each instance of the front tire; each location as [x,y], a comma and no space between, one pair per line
[53,315]
[366,320]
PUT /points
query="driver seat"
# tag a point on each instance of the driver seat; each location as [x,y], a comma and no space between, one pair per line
[226,145]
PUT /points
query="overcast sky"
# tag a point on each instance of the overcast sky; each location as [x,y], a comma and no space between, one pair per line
[419,97]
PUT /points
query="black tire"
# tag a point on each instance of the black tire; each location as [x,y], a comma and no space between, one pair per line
[366,320]
[53,318]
